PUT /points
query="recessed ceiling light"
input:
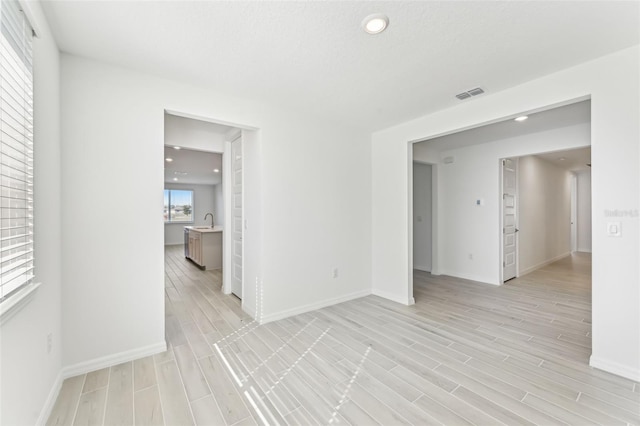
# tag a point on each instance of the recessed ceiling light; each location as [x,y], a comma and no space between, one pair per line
[176,147]
[168,159]
[375,24]
[175,179]
[216,171]
[561,158]
[521,118]
[180,173]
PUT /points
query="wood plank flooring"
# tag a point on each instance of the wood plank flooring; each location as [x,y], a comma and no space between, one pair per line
[464,354]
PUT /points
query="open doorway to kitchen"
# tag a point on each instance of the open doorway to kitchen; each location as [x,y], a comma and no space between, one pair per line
[202,174]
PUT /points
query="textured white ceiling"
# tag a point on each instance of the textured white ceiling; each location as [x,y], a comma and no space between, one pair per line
[313,55]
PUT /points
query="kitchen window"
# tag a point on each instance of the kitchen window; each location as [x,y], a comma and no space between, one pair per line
[178,206]
[16,157]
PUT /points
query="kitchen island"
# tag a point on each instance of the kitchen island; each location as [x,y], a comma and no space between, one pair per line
[204,246]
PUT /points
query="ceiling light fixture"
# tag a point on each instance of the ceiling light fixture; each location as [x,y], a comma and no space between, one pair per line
[175,179]
[168,159]
[521,118]
[375,24]
[176,147]
[561,158]
[216,171]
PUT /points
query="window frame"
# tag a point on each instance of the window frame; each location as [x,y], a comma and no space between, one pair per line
[168,221]
[17,38]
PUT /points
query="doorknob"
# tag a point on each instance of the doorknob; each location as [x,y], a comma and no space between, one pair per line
[517,230]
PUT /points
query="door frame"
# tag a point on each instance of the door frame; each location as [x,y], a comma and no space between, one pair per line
[238,129]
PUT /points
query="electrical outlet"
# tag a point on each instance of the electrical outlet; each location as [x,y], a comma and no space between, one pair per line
[49,342]
[335,272]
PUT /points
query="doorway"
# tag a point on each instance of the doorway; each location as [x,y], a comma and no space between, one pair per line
[470,214]
[542,209]
[423,216]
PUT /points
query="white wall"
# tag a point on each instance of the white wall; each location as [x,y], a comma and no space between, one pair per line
[583,211]
[314,194]
[194,134]
[544,213]
[203,202]
[29,376]
[609,81]
[422,216]
[218,204]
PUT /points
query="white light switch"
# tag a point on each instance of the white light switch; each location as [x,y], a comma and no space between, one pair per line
[614,229]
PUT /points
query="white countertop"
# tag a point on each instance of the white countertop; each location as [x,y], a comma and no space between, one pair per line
[204,229]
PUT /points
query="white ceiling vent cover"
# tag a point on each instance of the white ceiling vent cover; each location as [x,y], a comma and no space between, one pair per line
[469,93]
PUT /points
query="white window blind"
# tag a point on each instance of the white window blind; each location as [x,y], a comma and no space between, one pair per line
[16,152]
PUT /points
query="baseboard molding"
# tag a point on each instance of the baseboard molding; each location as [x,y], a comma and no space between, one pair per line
[313,306]
[470,277]
[110,360]
[615,368]
[543,264]
[394,297]
[422,268]
[50,401]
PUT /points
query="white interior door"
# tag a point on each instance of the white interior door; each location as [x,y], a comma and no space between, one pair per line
[236,223]
[509,219]
[574,212]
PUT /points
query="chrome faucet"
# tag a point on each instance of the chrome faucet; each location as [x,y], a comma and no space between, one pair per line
[209,214]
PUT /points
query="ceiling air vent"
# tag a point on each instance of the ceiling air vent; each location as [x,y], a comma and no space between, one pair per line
[469,93]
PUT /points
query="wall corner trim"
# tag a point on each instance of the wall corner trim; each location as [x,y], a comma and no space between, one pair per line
[394,297]
[114,359]
[50,401]
[615,368]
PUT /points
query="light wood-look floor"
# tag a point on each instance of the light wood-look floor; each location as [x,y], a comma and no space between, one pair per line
[465,353]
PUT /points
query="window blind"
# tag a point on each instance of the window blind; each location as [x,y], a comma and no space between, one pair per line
[16,150]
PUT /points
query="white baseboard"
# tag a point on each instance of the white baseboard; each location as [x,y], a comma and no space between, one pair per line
[110,360]
[542,264]
[313,306]
[470,277]
[615,368]
[421,268]
[394,297]
[50,401]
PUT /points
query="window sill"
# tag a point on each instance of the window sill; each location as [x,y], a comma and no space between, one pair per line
[15,303]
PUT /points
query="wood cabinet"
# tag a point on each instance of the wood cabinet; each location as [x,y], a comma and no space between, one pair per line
[205,248]
[195,247]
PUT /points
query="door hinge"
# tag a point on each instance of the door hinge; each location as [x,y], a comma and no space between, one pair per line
[504,264]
